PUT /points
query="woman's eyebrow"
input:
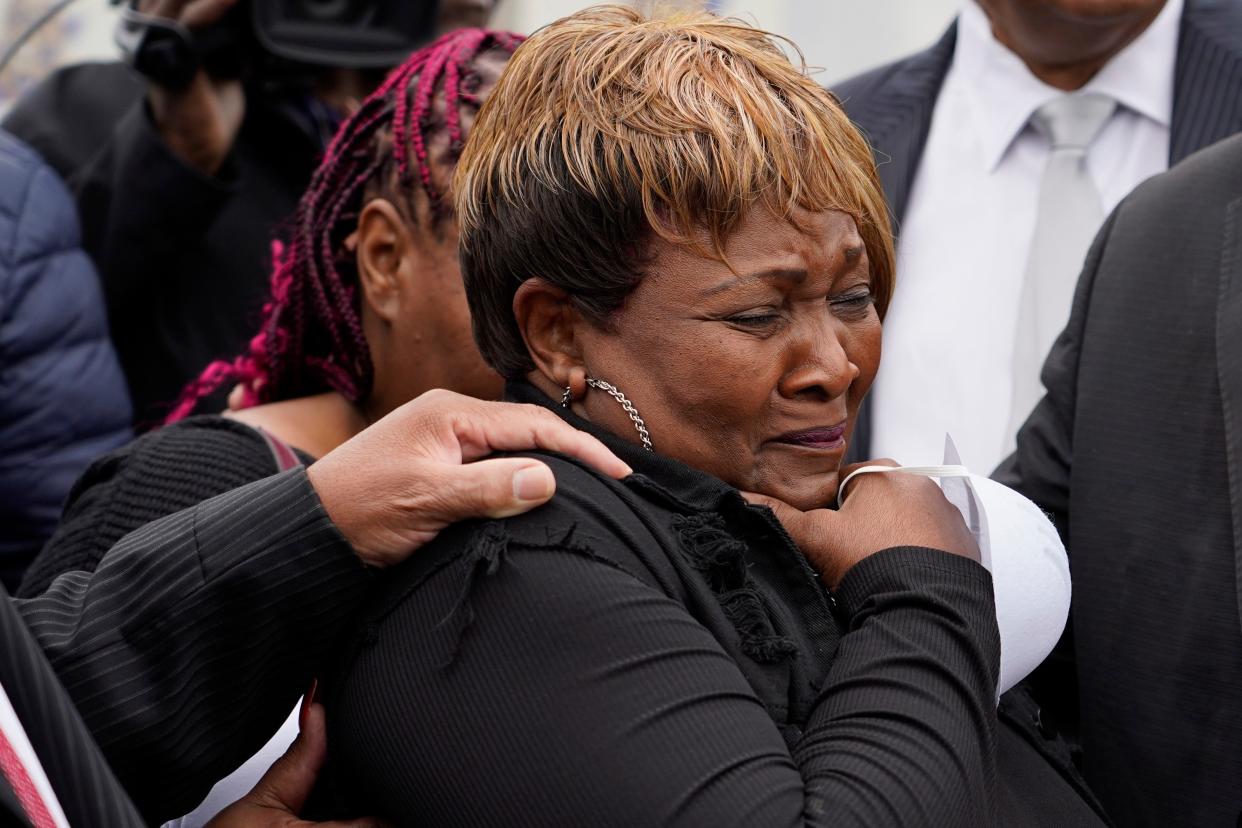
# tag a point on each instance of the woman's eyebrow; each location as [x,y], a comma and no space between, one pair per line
[796,275]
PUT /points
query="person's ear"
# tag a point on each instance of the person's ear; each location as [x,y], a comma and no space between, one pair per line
[549,323]
[382,248]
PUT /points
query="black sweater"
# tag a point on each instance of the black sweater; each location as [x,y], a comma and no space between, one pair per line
[160,473]
[657,651]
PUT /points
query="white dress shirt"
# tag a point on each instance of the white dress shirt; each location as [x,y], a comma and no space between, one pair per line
[962,248]
[12,729]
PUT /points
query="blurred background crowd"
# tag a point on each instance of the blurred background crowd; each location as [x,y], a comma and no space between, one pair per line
[825,30]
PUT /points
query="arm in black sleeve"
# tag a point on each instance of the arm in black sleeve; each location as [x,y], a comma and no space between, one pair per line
[188,646]
[1040,466]
[580,695]
[160,473]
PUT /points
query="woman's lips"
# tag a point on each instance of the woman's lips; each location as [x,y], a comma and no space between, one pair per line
[820,437]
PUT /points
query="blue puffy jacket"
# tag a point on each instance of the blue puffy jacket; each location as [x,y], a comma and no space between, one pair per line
[63,398]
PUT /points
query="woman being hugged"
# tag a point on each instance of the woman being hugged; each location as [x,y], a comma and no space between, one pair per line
[674,238]
[367,312]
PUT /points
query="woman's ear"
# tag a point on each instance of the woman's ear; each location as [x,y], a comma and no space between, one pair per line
[382,248]
[549,322]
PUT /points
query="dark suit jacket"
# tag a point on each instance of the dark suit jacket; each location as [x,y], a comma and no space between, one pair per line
[177,658]
[1136,452]
[893,107]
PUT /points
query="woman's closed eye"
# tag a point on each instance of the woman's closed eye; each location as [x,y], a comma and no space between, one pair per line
[854,303]
[759,319]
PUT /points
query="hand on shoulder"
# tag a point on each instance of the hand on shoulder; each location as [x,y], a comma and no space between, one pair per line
[395,485]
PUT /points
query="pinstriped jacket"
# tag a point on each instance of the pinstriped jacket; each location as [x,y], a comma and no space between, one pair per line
[143,682]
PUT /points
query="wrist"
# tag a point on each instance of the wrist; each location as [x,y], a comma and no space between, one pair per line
[915,571]
[362,509]
[319,475]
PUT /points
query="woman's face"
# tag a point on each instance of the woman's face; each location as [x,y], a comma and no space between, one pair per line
[754,376]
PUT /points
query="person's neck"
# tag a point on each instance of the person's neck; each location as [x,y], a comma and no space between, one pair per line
[315,424]
[1071,75]
[1068,78]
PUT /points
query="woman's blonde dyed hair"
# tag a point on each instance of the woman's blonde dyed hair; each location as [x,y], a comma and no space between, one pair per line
[607,126]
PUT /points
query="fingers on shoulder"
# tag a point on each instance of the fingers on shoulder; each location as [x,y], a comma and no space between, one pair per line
[480,427]
[467,414]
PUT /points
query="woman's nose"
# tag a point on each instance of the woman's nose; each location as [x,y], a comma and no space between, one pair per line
[818,366]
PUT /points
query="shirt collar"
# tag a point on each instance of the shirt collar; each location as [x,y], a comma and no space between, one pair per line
[1002,93]
[1141,76]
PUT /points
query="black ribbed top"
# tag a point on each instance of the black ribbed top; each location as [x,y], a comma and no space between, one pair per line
[656,651]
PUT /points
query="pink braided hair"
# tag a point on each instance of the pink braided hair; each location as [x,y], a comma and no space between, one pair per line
[311,338]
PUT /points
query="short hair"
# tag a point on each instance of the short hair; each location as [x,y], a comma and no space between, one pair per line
[608,126]
[311,337]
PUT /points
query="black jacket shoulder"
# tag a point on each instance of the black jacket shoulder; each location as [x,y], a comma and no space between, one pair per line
[92,96]
[880,94]
[163,472]
[1210,178]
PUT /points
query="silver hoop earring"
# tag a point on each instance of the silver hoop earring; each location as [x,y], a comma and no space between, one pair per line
[565,395]
[612,391]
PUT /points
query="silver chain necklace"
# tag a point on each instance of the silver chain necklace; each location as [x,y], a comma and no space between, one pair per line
[612,391]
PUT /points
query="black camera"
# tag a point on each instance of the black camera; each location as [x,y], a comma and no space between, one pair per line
[362,34]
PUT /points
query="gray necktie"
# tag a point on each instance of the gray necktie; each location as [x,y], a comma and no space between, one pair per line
[1069,216]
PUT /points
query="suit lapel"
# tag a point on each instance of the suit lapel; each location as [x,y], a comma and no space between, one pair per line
[1207,85]
[88,792]
[1229,370]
